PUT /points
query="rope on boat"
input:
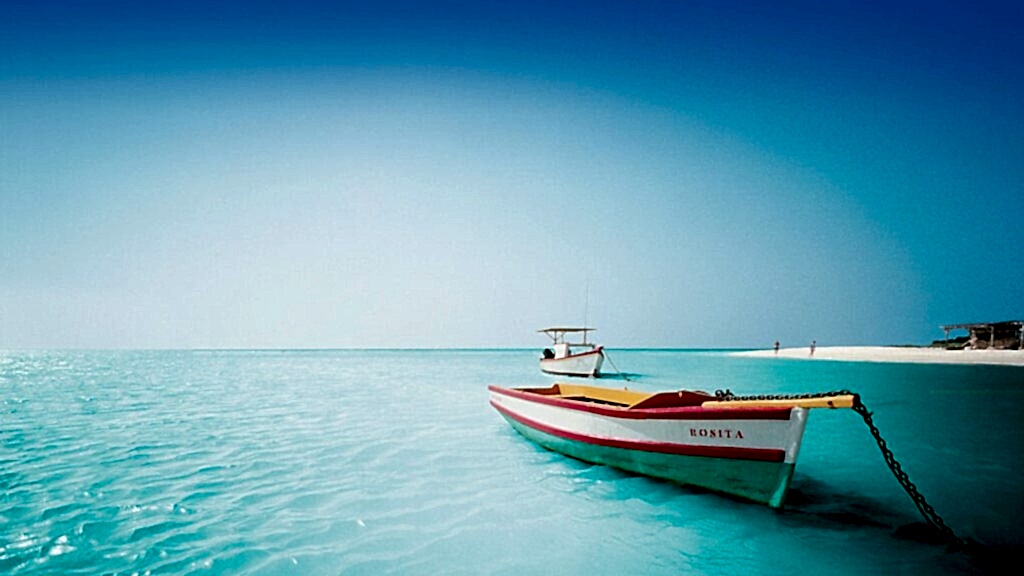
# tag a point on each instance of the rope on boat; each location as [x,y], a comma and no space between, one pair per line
[927,511]
[624,377]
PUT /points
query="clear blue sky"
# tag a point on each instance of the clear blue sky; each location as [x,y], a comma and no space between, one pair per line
[706,174]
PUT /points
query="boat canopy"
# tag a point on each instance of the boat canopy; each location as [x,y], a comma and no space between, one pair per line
[558,334]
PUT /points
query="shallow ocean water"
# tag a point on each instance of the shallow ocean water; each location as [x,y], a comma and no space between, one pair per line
[393,462]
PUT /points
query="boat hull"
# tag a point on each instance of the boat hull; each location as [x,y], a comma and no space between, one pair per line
[750,455]
[587,364]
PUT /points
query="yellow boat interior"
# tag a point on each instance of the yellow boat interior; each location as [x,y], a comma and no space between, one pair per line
[637,400]
[622,398]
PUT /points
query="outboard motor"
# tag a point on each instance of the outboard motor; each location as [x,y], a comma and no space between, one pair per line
[548,354]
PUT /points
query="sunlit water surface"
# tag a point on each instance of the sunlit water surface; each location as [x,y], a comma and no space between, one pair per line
[392,462]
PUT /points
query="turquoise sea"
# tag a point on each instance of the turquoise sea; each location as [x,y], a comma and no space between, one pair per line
[393,462]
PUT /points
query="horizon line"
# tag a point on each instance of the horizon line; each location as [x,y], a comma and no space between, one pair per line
[358,349]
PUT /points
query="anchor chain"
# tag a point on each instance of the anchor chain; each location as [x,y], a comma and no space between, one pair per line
[624,377]
[926,510]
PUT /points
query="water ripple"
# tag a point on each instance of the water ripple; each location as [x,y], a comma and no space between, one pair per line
[378,462]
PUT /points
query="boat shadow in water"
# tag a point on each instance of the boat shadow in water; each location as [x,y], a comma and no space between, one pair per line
[621,376]
[815,503]
[822,505]
[819,505]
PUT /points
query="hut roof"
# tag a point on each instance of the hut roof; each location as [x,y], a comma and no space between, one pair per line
[968,326]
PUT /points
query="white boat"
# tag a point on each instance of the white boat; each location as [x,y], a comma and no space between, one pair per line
[566,358]
[742,446]
[745,448]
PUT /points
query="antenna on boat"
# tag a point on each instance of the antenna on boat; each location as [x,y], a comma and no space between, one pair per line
[586,309]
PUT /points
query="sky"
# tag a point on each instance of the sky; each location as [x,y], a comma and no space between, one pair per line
[461,174]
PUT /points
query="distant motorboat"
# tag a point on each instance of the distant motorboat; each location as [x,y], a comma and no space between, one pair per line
[566,358]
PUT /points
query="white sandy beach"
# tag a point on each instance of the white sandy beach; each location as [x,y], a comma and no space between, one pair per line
[895,354]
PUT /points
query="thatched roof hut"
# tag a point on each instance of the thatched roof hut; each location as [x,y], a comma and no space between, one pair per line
[1005,335]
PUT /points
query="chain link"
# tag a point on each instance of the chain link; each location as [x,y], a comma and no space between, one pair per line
[927,511]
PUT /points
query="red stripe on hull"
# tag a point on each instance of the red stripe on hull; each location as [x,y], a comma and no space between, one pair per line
[680,413]
[725,452]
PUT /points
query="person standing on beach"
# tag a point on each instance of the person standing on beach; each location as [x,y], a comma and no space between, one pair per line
[813,344]
[776,347]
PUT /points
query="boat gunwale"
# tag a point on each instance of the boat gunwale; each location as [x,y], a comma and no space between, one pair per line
[671,413]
